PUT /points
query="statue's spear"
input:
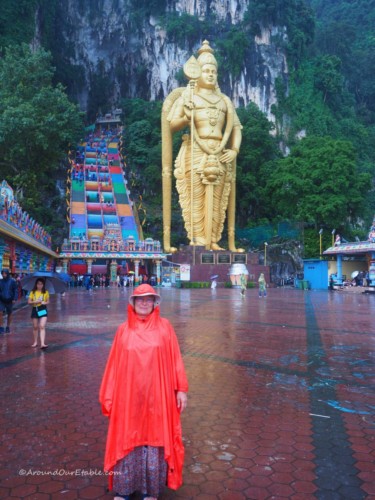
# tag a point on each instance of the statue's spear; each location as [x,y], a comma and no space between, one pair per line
[192,71]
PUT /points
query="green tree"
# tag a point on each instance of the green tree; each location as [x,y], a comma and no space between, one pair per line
[37,126]
[17,21]
[257,149]
[328,77]
[142,149]
[319,183]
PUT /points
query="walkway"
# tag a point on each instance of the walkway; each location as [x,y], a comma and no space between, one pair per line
[281,403]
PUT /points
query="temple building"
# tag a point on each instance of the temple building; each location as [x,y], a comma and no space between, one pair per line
[105,234]
[25,246]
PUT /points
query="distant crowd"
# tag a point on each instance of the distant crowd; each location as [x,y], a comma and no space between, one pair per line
[91,281]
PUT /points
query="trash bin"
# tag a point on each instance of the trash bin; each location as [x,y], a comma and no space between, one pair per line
[305,285]
[299,284]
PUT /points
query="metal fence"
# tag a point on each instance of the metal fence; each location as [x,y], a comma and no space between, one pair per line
[258,235]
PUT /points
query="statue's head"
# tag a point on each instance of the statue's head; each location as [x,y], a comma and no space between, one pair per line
[208,64]
[206,55]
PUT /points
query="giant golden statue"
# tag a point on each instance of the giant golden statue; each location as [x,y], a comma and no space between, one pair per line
[205,168]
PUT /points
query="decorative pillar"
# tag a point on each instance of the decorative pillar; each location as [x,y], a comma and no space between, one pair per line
[339,269]
[113,270]
[158,271]
[89,265]
[65,265]
[43,263]
[26,263]
[2,250]
[371,271]
[136,270]
[13,257]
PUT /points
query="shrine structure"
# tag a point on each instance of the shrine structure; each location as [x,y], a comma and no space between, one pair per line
[105,235]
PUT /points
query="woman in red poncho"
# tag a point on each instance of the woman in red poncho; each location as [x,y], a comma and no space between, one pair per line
[143,392]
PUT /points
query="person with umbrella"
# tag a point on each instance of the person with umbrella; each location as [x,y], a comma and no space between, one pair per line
[52,282]
[39,299]
[214,281]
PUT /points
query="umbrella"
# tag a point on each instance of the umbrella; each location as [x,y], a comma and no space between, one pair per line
[354,274]
[214,277]
[53,283]
[131,272]
[64,277]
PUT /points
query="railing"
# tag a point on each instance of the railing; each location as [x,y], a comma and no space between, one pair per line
[113,246]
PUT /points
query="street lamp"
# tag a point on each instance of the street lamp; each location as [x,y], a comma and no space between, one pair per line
[265,252]
[320,241]
[333,236]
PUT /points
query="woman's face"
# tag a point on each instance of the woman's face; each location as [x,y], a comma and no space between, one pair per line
[39,285]
[144,306]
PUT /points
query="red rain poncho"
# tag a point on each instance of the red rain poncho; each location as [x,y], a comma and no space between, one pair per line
[138,392]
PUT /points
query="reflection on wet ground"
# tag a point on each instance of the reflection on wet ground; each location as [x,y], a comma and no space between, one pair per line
[281,401]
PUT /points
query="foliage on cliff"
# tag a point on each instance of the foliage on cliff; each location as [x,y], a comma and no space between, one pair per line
[38,125]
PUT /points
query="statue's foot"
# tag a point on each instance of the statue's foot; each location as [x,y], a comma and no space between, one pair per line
[215,246]
[237,250]
[170,250]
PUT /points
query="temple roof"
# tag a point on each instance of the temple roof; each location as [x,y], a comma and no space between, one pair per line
[351,248]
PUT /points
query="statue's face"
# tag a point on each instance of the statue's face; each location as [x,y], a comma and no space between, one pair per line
[208,79]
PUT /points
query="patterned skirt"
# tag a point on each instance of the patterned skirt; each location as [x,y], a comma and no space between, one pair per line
[144,470]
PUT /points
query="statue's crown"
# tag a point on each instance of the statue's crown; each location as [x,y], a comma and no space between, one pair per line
[206,55]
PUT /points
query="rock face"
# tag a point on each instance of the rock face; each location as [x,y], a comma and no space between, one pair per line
[140,61]
[285,261]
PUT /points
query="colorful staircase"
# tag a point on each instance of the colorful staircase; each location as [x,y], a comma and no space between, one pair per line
[100,207]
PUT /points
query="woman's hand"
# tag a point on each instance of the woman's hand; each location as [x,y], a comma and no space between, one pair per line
[181,398]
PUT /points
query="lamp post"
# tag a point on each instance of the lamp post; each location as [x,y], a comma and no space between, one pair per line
[333,236]
[265,252]
[320,242]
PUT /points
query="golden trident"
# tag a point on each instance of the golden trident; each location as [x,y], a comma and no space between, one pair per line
[192,71]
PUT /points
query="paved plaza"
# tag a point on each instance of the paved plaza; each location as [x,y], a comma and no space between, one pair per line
[281,401]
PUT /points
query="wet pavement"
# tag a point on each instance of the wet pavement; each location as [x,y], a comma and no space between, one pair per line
[281,401]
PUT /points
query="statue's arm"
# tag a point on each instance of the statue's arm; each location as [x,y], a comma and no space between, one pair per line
[179,117]
[236,139]
[230,153]
[236,136]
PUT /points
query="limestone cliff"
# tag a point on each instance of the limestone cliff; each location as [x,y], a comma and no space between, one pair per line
[139,60]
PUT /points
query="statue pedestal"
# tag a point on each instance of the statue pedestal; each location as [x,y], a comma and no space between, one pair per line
[206,263]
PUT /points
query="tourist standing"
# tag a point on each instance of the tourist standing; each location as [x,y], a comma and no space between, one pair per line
[262,285]
[243,283]
[8,297]
[143,392]
[39,299]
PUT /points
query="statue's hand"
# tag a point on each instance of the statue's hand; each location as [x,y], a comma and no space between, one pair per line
[228,156]
[187,111]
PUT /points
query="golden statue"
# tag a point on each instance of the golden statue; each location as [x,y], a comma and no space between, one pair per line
[205,168]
